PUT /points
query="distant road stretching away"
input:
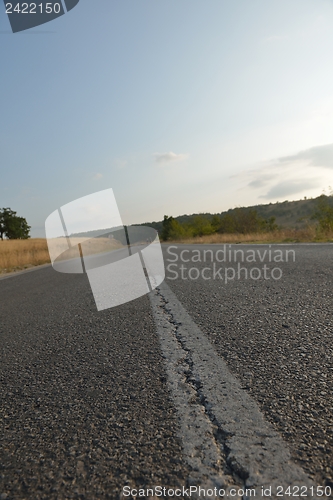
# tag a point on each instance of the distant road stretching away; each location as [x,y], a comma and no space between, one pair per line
[219,378]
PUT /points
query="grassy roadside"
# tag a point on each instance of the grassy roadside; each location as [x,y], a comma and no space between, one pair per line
[17,255]
[306,235]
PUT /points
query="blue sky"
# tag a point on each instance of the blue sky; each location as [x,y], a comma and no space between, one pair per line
[180,106]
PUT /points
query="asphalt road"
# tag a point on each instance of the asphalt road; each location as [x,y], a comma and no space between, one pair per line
[276,336]
[86,407]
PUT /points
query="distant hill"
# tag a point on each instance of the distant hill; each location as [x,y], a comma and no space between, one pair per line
[288,214]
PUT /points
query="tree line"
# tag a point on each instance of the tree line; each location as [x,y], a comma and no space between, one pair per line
[12,226]
[241,221]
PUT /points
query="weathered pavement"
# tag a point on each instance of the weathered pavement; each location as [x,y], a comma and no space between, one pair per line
[89,403]
[276,337]
[226,439]
[84,405]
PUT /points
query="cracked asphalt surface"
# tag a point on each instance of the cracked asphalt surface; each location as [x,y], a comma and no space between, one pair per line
[277,339]
[84,406]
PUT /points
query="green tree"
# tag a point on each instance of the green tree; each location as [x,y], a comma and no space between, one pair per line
[12,226]
[166,227]
[243,220]
[173,230]
[215,223]
[324,213]
[228,224]
[201,225]
[269,224]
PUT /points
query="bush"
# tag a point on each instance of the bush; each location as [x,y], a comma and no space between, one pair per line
[324,213]
[243,221]
[173,230]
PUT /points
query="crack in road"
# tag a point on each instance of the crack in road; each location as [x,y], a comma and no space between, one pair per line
[226,439]
[237,474]
[203,440]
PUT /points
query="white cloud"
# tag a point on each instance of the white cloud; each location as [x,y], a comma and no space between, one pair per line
[169,157]
[291,187]
[318,156]
[305,171]
[97,176]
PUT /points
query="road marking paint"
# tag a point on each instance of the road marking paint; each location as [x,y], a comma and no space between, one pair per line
[226,439]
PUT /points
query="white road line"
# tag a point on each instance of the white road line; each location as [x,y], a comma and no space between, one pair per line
[225,437]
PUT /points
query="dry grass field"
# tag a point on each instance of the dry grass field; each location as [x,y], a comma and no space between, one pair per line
[16,255]
[22,254]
